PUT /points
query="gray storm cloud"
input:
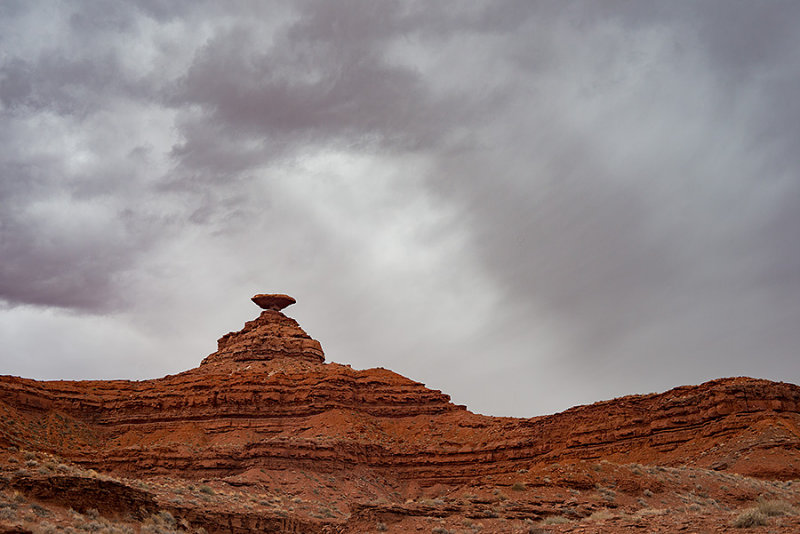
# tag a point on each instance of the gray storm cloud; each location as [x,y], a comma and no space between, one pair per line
[528,205]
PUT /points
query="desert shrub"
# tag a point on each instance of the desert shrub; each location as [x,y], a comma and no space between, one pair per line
[381,527]
[775,508]
[46,528]
[166,518]
[41,511]
[518,486]
[92,526]
[749,519]
[325,512]
[555,520]
[440,530]
[161,523]
[207,490]
[607,493]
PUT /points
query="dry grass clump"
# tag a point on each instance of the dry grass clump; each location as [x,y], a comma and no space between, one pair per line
[607,494]
[648,512]
[161,523]
[758,515]
[750,518]
[776,507]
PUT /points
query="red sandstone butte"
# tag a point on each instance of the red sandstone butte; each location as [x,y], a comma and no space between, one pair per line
[321,447]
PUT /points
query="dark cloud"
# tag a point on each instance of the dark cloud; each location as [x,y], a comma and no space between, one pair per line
[599,195]
[323,79]
[60,246]
[668,259]
[79,200]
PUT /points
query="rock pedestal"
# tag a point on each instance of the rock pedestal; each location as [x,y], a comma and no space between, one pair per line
[273,301]
[272,335]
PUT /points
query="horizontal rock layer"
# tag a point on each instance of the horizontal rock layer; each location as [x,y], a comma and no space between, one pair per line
[267,401]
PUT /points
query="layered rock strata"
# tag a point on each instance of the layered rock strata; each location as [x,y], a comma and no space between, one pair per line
[267,402]
[272,335]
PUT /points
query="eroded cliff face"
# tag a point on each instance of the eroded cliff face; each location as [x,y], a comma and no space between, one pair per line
[265,405]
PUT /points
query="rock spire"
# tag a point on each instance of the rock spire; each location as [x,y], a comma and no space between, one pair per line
[270,336]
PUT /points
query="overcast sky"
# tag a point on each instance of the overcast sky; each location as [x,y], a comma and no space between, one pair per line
[527,205]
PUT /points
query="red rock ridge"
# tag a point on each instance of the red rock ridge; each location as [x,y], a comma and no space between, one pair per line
[266,400]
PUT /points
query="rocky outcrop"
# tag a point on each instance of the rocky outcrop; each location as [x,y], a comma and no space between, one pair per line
[272,335]
[266,405]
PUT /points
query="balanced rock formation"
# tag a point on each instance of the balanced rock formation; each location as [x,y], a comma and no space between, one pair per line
[273,301]
[272,335]
[266,411]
